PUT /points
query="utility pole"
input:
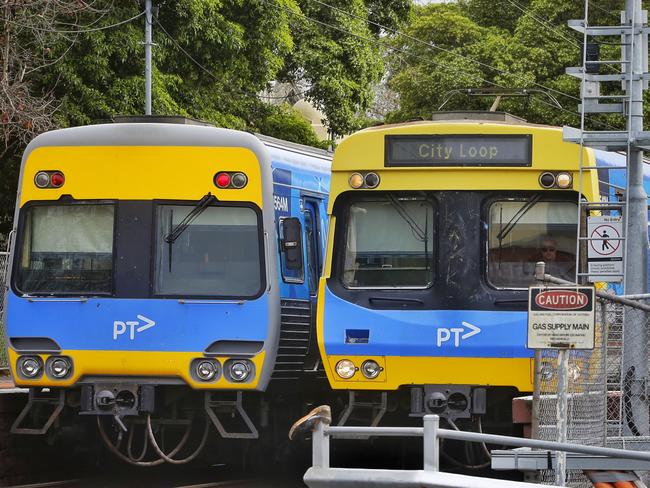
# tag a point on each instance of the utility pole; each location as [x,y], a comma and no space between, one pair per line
[633,76]
[148,20]
[635,334]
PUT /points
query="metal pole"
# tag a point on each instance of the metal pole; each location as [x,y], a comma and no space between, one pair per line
[562,376]
[320,447]
[147,57]
[430,436]
[635,368]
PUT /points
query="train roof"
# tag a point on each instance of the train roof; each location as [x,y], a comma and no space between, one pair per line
[146,133]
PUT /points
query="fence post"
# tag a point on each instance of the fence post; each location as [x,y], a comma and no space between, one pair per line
[320,446]
[431,454]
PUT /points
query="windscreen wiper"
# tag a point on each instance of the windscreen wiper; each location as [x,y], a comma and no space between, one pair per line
[176,232]
[530,203]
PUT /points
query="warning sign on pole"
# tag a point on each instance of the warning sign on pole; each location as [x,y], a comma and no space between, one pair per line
[605,255]
[561,318]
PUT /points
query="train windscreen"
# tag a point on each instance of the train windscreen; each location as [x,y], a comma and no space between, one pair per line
[389,243]
[217,254]
[523,232]
[66,249]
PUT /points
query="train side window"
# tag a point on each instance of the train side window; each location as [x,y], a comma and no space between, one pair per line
[521,232]
[67,249]
[291,250]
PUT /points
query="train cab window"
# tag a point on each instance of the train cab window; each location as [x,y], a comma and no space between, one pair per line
[523,232]
[217,254]
[389,243]
[66,249]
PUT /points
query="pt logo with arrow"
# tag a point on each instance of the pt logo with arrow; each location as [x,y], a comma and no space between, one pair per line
[458,333]
[133,326]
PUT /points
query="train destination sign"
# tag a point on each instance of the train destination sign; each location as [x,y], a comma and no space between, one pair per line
[458,150]
[561,317]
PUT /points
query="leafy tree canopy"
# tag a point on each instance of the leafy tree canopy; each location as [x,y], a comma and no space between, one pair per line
[515,44]
[211,58]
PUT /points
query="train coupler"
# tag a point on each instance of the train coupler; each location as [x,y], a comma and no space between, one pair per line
[229,417]
[43,407]
[116,399]
[448,401]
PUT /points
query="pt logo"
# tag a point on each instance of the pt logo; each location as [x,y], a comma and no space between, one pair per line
[445,334]
[132,326]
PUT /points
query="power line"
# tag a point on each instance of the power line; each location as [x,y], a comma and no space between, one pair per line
[543,23]
[427,60]
[210,73]
[449,51]
[77,31]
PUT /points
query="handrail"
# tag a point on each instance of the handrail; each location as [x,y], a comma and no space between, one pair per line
[431,433]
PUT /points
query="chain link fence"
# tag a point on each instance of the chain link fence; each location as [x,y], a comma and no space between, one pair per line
[3,347]
[607,403]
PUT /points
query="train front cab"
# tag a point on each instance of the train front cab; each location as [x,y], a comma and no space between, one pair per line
[435,229]
[143,263]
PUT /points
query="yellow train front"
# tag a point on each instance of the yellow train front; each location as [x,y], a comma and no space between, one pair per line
[435,229]
[145,262]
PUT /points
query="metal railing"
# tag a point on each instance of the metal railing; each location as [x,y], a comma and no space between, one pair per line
[321,474]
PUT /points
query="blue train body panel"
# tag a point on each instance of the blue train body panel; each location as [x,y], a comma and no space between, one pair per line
[354,330]
[158,325]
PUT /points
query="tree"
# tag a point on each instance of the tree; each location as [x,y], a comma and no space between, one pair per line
[339,54]
[35,36]
[444,49]
[30,29]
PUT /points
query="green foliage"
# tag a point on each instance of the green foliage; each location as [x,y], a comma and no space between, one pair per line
[286,123]
[479,44]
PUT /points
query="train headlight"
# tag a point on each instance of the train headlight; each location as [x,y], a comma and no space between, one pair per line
[30,367]
[564,180]
[370,369]
[239,180]
[206,370]
[345,369]
[60,367]
[547,180]
[42,179]
[356,180]
[372,180]
[240,370]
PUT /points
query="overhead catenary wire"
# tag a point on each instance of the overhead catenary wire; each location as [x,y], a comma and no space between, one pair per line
[427,60]
[439,48]
[210,73]
[543,23]
[73,31]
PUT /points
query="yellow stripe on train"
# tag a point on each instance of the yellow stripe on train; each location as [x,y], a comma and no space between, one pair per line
[406,370]
[136,363]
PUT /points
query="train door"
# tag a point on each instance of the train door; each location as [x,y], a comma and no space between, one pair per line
[312,245]
[314,266]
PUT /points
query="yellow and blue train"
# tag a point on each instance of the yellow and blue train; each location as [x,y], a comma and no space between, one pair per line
[164,268]
[435,229]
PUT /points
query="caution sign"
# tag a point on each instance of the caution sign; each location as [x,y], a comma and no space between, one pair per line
[561,318]
[605,255]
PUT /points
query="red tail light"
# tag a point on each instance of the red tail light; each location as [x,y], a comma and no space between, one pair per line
[57,180]
[222,180]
